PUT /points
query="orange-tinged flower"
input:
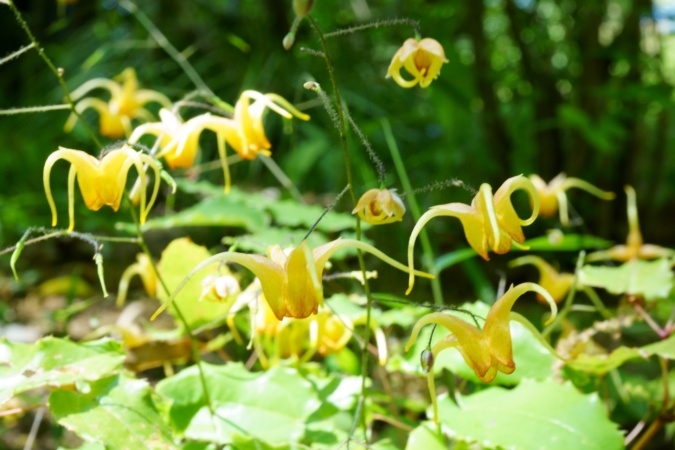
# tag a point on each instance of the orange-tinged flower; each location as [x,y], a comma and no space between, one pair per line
[143,268]
[486,351]
[635,247]
[557,284]
[490,221]
[552,196]
[380,206]
[421,59]
[101,180]
[291,283]
[126,103]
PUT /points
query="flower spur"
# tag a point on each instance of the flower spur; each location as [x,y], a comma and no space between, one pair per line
[101,180]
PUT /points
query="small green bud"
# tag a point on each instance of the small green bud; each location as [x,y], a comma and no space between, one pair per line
[289,40]
[311,86]
[302,7]
[427,361]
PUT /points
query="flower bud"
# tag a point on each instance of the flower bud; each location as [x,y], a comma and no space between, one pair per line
[311,86]
[289,40]
[380,206]
[302,7]
[219,289]
[427,360]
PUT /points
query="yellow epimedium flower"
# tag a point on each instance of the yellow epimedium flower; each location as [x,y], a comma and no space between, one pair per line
[490,221]
[557,284]
[488,350]
[380,206]
[635,247]
[291,283]
[101,180]
[244,132]
[143,268]
[126,103]
[552,196]
[421,59]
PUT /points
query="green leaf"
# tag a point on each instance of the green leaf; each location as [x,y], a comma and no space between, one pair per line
[601,364]
[664,348]
[272,406]
[220,211]
[87,446]
[532,359]
[117,411]
[259,241]
[535,414]
[426,437]
[178,260]
[55,362]
[650,279]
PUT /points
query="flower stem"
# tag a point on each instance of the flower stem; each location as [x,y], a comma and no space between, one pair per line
[55,71]
[377,24]
[33,109]
[362,265]
[181,317]
[415,210]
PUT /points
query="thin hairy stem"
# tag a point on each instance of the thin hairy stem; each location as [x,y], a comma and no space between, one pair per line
[181,317]
[436,185]
[362,265]
[377,24]
[32,109]
[415,210]
[57,72]
[377,162]
[313,52]
[163,42]
[17,53]
[325,211]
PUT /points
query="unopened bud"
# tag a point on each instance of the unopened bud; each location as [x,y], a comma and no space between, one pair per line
[427,361]
[302,7]
[60,71]
[311,86]
[289,40]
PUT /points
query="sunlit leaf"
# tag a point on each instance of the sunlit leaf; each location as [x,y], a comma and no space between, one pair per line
[601,364]
[272,406]
[117,411]
[650,279]
[55,362]
[426,436]
[664,348]
[535,414]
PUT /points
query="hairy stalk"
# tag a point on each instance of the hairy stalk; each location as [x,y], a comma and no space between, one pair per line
[377,162]
[163,42]
[453,182]
[17,53]
[181,317]
[377,24]
[569,301]
[32,109]
[57,72]
[362,265]
[325,211]
[72,234]
[313,52]
[415,210]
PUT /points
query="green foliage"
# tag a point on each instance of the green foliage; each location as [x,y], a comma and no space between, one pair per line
[117,411]
[56,363]
[535,414]
[649,279]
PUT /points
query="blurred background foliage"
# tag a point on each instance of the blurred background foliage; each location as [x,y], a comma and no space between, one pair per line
[532,86]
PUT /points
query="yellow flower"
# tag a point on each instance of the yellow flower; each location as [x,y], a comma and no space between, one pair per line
[244,132]
[422,59]
[488,221]
[556,284]
[486,351]
[380,206]
[219,288]
[291,283]
[143,268]
[552,195]
[126,103]
[102,180]
[635,247]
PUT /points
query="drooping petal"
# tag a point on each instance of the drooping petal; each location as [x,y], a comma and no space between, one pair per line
[506,215]
[299,291]
[434,47]
[144,96]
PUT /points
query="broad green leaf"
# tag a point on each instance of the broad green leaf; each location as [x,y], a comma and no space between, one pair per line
[215,211]
[117,411]
[650,279]
[426,437]
[55,362]
[664,348]
[535,414]
[272,406]
[178,260]
[532,359]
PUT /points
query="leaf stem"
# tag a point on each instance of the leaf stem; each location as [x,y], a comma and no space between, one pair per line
[377,24]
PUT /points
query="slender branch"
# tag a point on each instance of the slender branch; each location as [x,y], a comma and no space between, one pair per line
[597,302]
[57,72]
[377,24]
[17,53]
[313,52]
[453,182]
[654,428]
[416,212]
[32,109]
[166,45]
[325,211]
[652,324]
[377,162]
